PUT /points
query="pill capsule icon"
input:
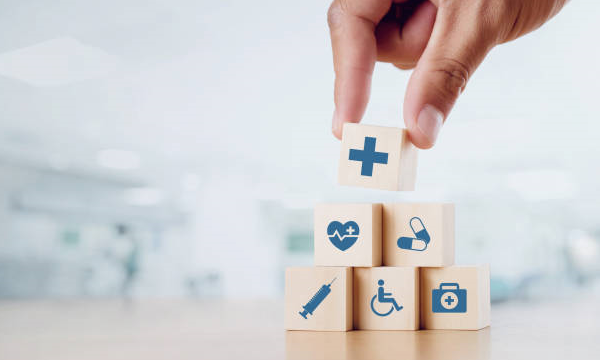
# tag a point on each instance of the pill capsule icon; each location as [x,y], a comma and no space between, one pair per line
[408,243]
[418,228]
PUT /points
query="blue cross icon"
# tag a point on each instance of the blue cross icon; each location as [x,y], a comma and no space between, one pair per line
[449,300]
[368,156]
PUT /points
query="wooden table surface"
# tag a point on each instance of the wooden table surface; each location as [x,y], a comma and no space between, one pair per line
[187,329]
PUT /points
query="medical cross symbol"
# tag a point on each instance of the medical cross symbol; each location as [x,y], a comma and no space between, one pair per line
[368,156]
[350,230]
[449,300]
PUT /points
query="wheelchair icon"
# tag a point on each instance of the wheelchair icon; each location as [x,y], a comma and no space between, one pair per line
[382,297]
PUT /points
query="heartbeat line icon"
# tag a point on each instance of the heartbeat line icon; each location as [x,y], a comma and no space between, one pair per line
[341,237]
[350,231]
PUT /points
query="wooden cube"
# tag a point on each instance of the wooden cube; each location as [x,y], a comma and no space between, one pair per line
[347,234]
[455,297]
[418,234]
[377,157]
[318,298]
[400,284]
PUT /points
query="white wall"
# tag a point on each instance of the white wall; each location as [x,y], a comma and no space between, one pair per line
[238,95]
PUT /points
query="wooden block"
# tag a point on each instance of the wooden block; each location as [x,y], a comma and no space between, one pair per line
[377,157]
[318,298]
[455,297]
[428,242]
[401,284]
[347,234]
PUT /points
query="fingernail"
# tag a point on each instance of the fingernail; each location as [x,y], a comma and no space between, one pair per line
[430,122]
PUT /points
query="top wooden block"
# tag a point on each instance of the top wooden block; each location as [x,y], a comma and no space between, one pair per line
[377,157]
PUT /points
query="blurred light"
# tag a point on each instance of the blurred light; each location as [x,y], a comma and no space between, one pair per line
[57,62]
[58,163]
[118,159]
[536,185]
[190,182]
[173,148]
[143,196]
[296,203]
[585,251]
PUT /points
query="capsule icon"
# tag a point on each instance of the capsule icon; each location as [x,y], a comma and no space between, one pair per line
[421,239]
[408,243]
[418,228]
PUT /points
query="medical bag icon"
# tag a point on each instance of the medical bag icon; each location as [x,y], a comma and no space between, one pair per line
[449,298]
[421,239]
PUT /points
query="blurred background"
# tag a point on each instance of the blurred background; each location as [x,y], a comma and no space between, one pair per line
[158,149]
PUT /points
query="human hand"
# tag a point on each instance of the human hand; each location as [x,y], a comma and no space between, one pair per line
[444,40]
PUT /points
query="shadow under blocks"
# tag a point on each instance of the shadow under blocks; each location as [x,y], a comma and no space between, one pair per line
[384,266]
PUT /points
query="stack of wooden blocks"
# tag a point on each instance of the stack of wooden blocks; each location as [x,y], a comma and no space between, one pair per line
[384,266]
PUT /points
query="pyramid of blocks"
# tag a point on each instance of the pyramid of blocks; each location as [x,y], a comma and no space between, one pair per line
[384,266]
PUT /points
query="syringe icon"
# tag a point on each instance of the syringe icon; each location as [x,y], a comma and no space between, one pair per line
[312,304]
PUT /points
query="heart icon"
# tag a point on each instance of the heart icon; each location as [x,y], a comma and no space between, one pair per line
[343,236]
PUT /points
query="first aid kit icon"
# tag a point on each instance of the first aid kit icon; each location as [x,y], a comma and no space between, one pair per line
[449,298]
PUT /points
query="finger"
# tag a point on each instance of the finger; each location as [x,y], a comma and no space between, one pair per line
[531,15]
[352,28]
[457,46]
[403,42]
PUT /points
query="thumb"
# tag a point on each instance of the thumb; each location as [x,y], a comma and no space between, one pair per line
[456,47]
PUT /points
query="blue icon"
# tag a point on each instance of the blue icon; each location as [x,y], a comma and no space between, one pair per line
[368,156]
[383,297]
[316,300]
[421,239]
[342,236]
[449,298]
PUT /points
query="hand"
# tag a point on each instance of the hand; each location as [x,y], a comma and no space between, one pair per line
[444,40]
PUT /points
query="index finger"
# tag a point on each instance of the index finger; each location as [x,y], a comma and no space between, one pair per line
[352,28]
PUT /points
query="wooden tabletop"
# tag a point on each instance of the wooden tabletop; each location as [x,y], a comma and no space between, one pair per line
[187,329]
